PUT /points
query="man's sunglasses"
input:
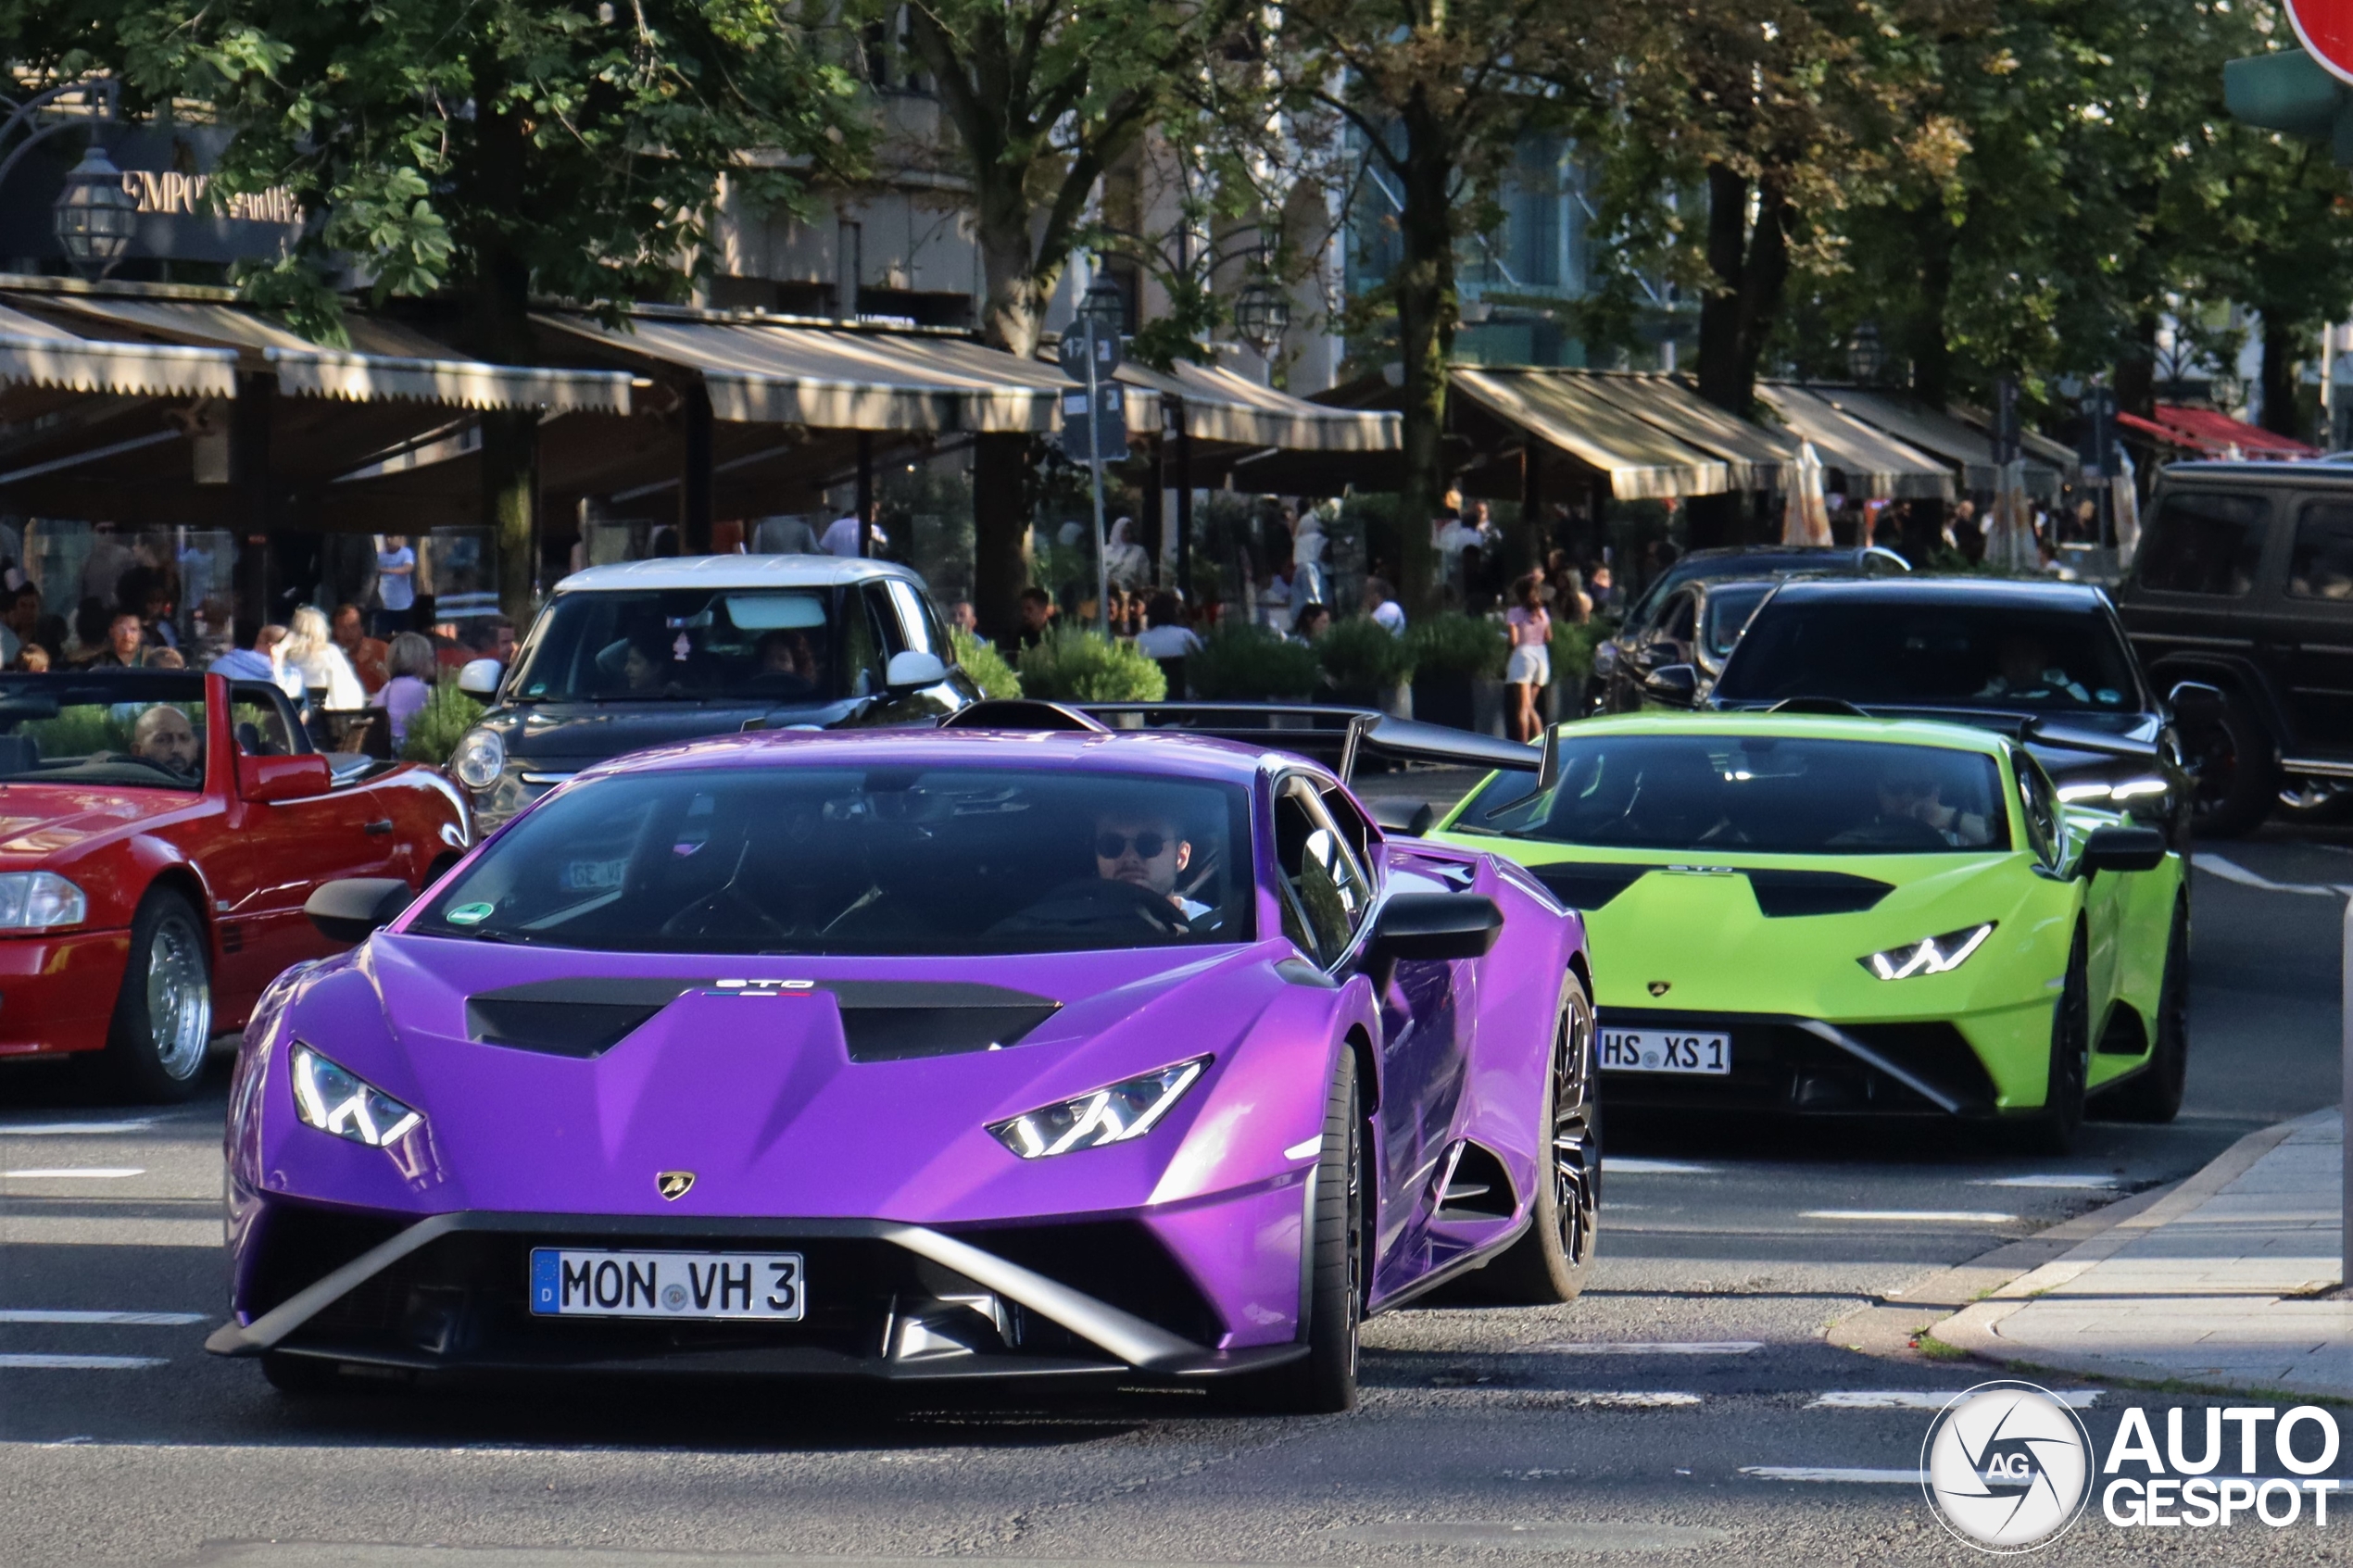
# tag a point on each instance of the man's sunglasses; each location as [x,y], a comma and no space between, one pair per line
[1112,845]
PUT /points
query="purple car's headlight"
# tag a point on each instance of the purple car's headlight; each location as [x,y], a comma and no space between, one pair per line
[1126,1110]
[335,1099]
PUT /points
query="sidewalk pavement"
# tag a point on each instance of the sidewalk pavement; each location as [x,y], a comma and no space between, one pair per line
[2214,1284]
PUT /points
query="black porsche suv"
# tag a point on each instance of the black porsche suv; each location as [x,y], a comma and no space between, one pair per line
[2244,581]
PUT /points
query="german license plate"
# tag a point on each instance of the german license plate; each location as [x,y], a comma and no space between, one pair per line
[1665,1050]
[577,1283]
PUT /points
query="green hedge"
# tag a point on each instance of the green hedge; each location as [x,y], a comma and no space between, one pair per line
[984,664]
[1573,649]
[1239,662]
[1360,655]
[432,734]
[1455,643]
[1079,666]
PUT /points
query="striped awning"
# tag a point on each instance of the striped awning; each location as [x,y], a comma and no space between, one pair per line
[1867,461]
[1641,457]
[34,353]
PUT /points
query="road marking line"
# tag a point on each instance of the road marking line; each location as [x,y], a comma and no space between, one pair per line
[73,1129]
[122,1320]
[2061,1179]
[1933,1216]
[77,1172]
[1648,1347]
[2231,871]
[1661,1400]
[1832,1473]
[1623,1165]
[80,1364]
[1925,1398]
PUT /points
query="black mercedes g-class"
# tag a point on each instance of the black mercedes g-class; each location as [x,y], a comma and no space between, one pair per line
[2244,581]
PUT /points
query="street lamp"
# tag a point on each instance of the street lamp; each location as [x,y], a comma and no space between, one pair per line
[1262,314]
[1104,305]
[95,216]
[1864,356]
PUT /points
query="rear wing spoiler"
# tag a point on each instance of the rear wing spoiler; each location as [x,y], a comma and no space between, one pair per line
[1338,737]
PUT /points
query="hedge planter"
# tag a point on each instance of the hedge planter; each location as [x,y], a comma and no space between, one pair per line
[1397,701]
[1462,702]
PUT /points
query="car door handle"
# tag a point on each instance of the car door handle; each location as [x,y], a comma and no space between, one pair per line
[382,827]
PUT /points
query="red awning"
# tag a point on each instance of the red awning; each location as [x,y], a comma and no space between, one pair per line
[2215,435]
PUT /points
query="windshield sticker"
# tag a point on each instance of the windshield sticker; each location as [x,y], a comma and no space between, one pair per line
[471,914]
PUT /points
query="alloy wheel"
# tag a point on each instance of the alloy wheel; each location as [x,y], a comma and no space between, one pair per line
[179,998]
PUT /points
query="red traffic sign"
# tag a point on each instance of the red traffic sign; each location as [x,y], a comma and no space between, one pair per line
[2325,29]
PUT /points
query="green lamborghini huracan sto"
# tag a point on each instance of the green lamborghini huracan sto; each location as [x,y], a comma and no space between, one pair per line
[1817,912]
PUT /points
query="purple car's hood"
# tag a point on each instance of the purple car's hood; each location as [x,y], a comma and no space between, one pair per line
[760,1098]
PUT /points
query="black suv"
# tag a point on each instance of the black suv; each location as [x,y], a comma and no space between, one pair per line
[2045,662]
[2244,581]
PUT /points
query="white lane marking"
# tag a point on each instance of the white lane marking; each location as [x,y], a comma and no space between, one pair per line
[119,1319]
[1832,1473]
[2231,871]
[1624,1165]
[2048,1179]
[1662,1400]
[1923,1216]
[74,1129]
[1301,1150]
[1925,1398]
[26,1363]
[1648,1347]
[76,1172]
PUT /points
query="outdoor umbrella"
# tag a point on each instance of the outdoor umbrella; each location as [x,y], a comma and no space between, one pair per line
[1805,518]
[2128,510]
[2010,534]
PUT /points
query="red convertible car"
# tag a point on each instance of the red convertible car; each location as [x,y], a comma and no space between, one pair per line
[159,833]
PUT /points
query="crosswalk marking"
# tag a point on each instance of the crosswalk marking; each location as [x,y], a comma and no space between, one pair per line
[119,1319]
[2064,1180]
[1832,1473]
[73,1129]
[1898,1216]
[29,1362]
[1630,1165]
[1648,1347]
[1924,1398]
[76,1172]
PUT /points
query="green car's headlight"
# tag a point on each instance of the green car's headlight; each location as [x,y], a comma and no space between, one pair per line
[1934,955]
[335,1099]
[1126,1110]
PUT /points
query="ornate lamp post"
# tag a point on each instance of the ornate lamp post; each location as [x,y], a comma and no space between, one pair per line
[1866,357]
[1262,314]
[94,217]
[1104,305]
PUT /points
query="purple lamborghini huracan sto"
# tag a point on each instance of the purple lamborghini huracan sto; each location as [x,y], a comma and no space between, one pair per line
[1130,1055]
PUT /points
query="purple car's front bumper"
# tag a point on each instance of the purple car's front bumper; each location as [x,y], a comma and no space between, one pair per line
[886,1300]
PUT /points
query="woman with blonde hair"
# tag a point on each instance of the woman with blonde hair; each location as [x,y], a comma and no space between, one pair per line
[310,655]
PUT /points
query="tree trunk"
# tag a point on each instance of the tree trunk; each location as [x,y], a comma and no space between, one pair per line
[1751,265]
[2137,369]
[1424,288]
[1931,354]
[502,334]
[2282,345]
[1000,519]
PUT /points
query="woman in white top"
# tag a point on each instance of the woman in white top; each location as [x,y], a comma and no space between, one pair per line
[1530,669]
[309,660]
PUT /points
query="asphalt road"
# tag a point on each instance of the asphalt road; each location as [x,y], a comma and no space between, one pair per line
[1665,1415]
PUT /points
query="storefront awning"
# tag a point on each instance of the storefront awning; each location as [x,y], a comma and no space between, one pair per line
[2211,433]
[1223,406]
[1867,462]
[1568,409]
[1965,449]
[1755,458]
[34,353]
[386,361]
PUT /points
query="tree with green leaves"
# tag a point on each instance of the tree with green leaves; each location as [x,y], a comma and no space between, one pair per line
[496,151]
[1043,99]
[1436,96]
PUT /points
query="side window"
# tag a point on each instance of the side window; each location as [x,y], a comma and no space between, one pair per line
[2203,543]
[1322,875]
[1351,822]
[2322,567]
[264,721]
[917,628]
[1677,618]
[2034,792]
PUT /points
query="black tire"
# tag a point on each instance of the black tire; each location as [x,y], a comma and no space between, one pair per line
[2154,1094]
[1323,1382]
[155,1044]
[1551,1263]
[298,1374]
[2053,1130]
[2234,772]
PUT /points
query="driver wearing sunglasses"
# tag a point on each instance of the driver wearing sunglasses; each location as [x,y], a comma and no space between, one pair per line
[1145,850]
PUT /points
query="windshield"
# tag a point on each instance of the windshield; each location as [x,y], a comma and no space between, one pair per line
[803,859]
[144,731]
[1728,608]
[1765,794]
[1918,654]
[751,644]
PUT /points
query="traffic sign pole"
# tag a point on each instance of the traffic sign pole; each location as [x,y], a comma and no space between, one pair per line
[1095,470]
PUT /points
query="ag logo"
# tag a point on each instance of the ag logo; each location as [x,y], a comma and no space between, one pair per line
[2007,1467]
[674,1184]
[1660,988]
